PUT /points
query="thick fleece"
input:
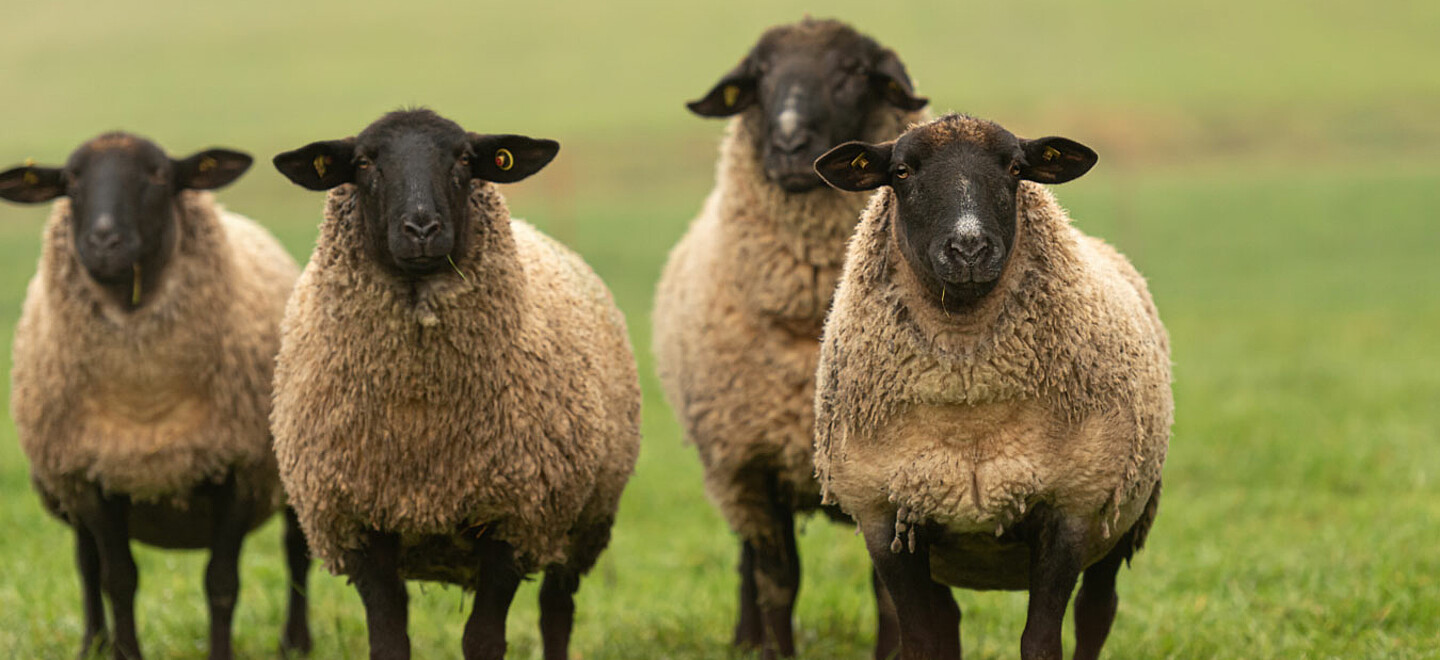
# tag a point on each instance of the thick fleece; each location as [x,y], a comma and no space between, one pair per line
[1054,389]
[498,399]
[737,321]
[154,401]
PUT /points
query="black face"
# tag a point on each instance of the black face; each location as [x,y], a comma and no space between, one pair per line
[122,190]
[955,182]
[413,173]
[815,84]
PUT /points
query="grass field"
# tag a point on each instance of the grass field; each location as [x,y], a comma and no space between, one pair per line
[1271,166]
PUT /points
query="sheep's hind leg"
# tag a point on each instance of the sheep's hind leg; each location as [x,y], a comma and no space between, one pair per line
[749,632]
[557,611]
[377,578]
[929,619]
[777,580]
[87,559]
[222,575]
[296,637]
[484,637]
[887,625]
[1096,603]
[1054,568]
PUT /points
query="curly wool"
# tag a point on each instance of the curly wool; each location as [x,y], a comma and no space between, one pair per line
[738,314]
[504,402]
[1055,389]
[152,402]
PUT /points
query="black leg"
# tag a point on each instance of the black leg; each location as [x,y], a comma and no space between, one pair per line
[557,611]
[296,637]
[107,518]
[887,629]
[222,575]
[484,637]
[928,617]
[87,558]
[1054,568]
[777,581]
[387,614]
[1096,603]
[749,632]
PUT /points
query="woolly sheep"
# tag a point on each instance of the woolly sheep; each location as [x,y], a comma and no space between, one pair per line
[142,371]
[740,305]
[456,398]
[993,402]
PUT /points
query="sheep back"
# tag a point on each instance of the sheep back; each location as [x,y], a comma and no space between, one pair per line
[153,402]
[504,403]
[1057,391]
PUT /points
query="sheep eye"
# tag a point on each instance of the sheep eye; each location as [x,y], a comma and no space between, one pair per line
[465,159]
[1015,168]
[902,172]
[363,163]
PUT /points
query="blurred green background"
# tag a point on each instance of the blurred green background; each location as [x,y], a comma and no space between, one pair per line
[1270,165]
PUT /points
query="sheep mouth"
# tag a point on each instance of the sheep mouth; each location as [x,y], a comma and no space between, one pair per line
[795,181]
[421,266]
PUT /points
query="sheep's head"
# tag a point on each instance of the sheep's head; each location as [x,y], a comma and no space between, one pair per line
[811,85]
[413,172]
[122,191]
[955,182]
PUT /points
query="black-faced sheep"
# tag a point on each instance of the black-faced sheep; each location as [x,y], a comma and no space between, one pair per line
[740,305]
[993,402]
[142,371]
[455,398]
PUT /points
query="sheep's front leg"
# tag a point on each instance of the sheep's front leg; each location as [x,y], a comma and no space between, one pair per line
[1054,567]
[749,632]
[232,514]
[557,611]
[108,520]
[296,637]
[387,614]
[484,637]
[777,579]
[887,626]
[87,559]
[928,617]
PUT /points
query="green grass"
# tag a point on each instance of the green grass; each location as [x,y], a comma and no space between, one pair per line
[1268,165]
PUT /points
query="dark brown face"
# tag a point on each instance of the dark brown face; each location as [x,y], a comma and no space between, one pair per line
[413,172]
[955,182]
[815,85]
[122,191]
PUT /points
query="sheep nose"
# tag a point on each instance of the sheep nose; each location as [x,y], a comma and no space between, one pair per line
[104,240]
[969,249]
[792,142]
[421,229]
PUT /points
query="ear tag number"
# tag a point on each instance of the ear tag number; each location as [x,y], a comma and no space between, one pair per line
[860,162]
[732,94]
[31,179]
[207,163]
[320,162]
[1051,153]
[504,160]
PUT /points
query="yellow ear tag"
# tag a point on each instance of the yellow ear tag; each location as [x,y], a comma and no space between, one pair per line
[1051,153]
[31,179]
[29,162]
[320,162]
[504,160]
[206,164]
[895,86]
[860,162]
[732,94]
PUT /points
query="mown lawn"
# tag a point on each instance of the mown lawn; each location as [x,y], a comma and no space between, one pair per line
[1270,166]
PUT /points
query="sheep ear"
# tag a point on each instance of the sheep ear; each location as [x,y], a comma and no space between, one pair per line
[1055,160]
[319,165]
[889,77]
[509,158]
[856,166]
[211,169]
[29,184]
[736,91]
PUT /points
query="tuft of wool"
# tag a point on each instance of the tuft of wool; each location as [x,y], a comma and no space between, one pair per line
[1055,389]
[738,314]
[154,401]
[497,398]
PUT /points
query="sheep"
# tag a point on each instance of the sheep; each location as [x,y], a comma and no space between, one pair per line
[993,398]
[142,368]
[456,399]
[739,308]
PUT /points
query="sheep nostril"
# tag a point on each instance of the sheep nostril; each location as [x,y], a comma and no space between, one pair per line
[104,240]
[421,231]
[970,250]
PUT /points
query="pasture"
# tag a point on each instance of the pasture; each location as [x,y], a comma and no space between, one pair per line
[1270,166]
